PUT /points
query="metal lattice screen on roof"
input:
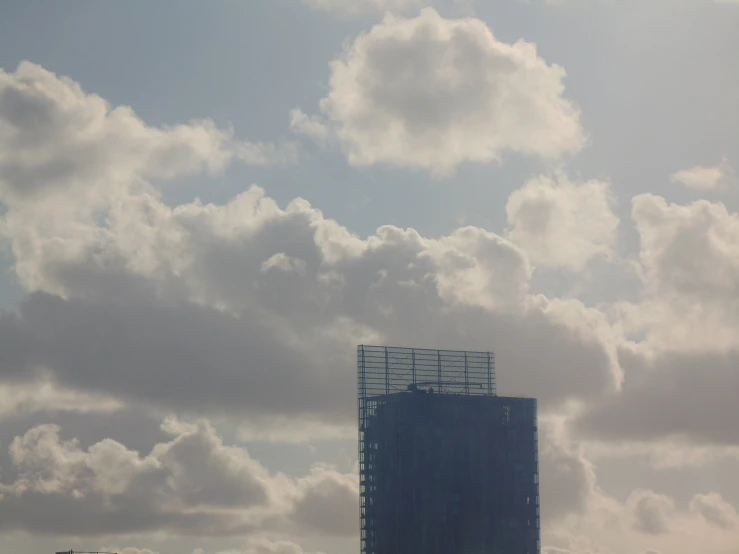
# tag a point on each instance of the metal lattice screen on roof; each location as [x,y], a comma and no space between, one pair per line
[390,369]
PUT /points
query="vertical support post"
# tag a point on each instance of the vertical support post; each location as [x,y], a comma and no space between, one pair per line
[466,375]
[492,373]
[362,374]
[490,376]
[413,365]
[438,369]
[387,372]
[361,361]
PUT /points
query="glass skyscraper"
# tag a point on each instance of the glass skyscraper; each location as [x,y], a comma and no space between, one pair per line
[446,465]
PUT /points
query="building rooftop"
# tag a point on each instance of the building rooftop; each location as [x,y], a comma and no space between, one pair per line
[391,369]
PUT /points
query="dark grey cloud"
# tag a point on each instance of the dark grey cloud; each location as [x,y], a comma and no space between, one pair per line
[172,356]
[689,395]
[213,324]
[715,510]
[651,512]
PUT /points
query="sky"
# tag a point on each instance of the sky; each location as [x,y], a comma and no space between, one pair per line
[206,206]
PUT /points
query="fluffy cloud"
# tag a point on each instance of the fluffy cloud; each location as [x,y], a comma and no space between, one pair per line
[560,224]
[680,371]
[193,484]
[328,502]
[57,140]
[689,251]
[567,477]
[702,177]
[284,296]
[67,156]
[715,510]
[651,512]
[432,93]
[43,395]
[676,403]
[645,522]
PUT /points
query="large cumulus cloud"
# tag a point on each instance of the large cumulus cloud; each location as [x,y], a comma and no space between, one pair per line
[431,93]
[183,308]
[680,366]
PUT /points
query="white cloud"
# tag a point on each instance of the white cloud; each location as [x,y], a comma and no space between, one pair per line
[704,178]
[59,142]
[567,477]
[688,249]
[680,370]
[45,396]
[432,93]
[690,265]
[193,484]
[282,262]
[328,502]
[311,126]
[560,224]
[715,510]
[646,522]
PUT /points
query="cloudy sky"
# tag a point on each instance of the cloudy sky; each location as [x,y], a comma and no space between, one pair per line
[205,207]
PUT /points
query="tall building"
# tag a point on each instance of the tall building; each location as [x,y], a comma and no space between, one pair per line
[446,466]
